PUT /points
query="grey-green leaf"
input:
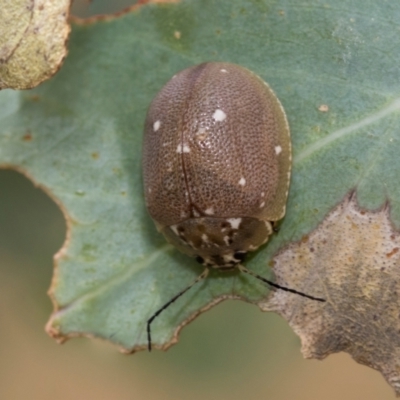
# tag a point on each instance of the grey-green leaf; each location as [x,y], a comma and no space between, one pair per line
[334,66]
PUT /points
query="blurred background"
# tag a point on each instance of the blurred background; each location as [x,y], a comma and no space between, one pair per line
[233,351]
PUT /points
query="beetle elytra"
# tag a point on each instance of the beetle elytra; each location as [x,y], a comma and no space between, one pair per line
[216,166]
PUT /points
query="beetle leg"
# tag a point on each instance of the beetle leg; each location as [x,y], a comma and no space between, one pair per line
[202,276]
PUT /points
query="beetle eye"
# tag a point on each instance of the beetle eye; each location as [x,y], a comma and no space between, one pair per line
[200,260]
[240,255]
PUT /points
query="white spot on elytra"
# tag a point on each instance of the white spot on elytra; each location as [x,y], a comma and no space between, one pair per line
[204,238]
[195,213]
[183,149]
[262,194]
[278,150]
[223,70]
[149,190]
[219,115]
[235,222]
[226,240]
[242,181]
[156,125]
[262,204]
[209,211]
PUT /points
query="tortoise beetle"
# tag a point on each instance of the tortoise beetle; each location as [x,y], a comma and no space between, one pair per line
[216,165]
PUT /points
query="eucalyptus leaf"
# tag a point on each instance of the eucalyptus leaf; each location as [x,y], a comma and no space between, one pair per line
[334,67]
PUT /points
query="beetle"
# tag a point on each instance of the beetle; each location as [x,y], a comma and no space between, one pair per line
[216,166]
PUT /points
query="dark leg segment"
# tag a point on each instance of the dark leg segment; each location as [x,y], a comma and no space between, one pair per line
[275,285]
[202,276]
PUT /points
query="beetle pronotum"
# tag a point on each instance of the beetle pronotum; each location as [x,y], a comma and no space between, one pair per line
[216,165]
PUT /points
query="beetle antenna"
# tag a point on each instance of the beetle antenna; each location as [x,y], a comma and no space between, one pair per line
[276,286]
[202,276]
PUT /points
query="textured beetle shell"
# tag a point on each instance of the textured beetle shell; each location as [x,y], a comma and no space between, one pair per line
[216,145]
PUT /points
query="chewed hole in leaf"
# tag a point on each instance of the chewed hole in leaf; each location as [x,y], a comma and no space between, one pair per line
[31,223]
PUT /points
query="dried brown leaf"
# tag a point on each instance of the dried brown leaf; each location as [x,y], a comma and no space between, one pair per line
[117,14]
[33,35]
[352,260]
